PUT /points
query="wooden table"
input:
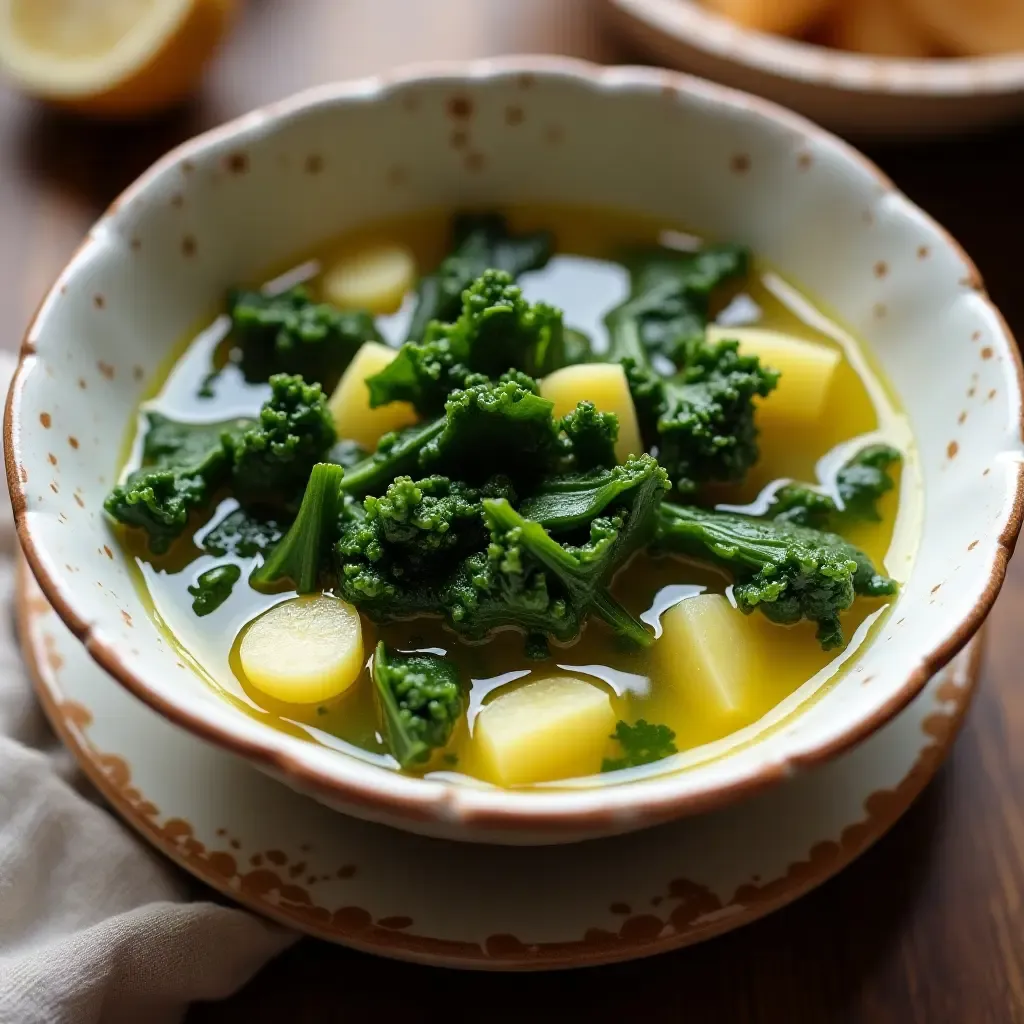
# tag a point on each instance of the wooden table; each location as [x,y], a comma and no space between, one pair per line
[929,925]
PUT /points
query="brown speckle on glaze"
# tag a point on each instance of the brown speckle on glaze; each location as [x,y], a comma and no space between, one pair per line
[740,163]
[106,369]
[460,107]
[962,418]
[474,162]
[52,458]
[923,252]
[46,419]
[78,500]
[187,167]
[986,352]
[881,268]
[459,139]
[936,588]
[991,394]
[987,470]
[138,372]
[554,134]
[98,301]
[108,552]
[804,161]
[513,116]
[976,336]
[880,310]
[177,200]
[951,449]
[397,176]
[136,244]
[127,619]
[314,163]
[81,383]
[63,289]
[23,474]
[188,246]
[54,487]
[972,391]
[972,545]
[237,163]
[866,680]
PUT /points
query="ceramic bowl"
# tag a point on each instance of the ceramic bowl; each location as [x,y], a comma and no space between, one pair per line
[858,94]
[226,206]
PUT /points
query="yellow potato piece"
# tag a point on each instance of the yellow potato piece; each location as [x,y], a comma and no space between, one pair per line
[877,26]
[806,370]
[350,402]
[972,26]
[554,728]
[714,655]
[375,279]
[605,385]
[784,16]
[305,650]
[114,58]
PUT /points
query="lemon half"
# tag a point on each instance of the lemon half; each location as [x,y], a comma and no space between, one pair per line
[111,57]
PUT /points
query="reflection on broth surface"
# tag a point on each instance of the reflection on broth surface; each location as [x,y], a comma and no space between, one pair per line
[710,673]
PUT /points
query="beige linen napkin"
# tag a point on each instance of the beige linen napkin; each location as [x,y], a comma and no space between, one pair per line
[95,928]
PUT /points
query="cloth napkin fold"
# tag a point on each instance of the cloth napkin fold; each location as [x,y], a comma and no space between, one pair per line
[95,928]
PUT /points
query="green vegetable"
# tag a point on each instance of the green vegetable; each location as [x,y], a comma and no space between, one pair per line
[273,458]
[241,534]
[591,436]
[305,549]
[496,330]
[479,242]
[790,572]
[642,743]
[213,587]
[864,479]
[420,700]
[290,333]
[667,311]
[183,464]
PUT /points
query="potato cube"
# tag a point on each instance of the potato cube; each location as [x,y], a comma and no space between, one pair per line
[605,385]
[305,650]
[375,279]
[554,728]
[350,403]
[714,655]
[806,372]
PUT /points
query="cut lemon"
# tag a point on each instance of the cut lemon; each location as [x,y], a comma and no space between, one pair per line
[111,57]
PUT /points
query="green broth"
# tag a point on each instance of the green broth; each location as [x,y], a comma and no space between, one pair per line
[585,280]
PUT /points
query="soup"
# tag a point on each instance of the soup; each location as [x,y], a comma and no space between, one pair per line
[545,498]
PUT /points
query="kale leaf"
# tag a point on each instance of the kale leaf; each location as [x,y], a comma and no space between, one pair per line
[642,743]
[213,587]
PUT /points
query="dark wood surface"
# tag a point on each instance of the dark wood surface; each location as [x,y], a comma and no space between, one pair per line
[928,927]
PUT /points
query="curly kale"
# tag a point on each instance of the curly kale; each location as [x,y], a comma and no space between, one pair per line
[701,420]
[590,436]
[641,743]
[790,572]
[183,465]
[273,458]
[496,330]
[667,310]
[290,333]
[213,587]
[240,534]
[305,550]
[860,483]
[479,242]
[421,702]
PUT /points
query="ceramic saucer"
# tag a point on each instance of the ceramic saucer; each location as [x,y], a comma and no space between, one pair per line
[364,885]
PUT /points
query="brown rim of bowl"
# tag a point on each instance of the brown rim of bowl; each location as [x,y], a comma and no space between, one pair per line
[797,60]
[799,878]
[482,809]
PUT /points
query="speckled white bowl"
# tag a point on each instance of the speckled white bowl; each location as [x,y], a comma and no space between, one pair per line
[856,93]
[243,197]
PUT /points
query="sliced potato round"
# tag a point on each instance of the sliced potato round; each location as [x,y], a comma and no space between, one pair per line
[972,26]
[375,279]
[784,16]
[606,386]
[305,650]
